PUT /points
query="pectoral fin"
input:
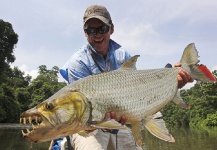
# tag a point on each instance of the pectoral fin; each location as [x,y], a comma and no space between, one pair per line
[108,124]
[157,127]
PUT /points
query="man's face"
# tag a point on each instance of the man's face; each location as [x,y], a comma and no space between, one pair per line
[100,42]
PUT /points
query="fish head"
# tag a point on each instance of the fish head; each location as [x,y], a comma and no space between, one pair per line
[61,115]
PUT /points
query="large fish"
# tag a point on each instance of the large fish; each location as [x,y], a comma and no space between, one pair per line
[137,94]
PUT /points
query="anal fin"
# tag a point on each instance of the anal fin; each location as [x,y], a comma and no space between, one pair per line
[179,101]
[157,127]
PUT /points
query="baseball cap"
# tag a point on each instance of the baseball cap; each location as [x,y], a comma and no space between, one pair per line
[99,12]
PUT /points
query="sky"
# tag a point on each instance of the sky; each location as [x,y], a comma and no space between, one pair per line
[50,31]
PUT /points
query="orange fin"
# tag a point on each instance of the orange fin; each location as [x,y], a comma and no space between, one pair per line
[190,64]
[206,72]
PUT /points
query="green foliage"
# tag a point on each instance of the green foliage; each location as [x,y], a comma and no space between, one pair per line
[18,94]
[15,78]
[23,97]
[203,101]
[8,105]
[8,39]
[170,117]
[211,120]
[45,85]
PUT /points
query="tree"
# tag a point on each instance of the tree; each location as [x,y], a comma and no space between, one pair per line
[42,69]
[15,78]
[45,85]
[10,109]
[8,40]
[202,99]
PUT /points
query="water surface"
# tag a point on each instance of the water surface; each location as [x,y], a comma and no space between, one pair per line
[186,139]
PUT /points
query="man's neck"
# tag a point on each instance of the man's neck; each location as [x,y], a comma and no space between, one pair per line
[103,52]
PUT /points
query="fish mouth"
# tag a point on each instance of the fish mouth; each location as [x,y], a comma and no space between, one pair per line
[34,124]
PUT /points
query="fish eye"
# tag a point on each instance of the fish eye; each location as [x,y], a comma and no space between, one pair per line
[49,106]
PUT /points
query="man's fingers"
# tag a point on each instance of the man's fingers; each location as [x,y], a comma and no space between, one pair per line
[107,116]
[183,78]
[177,64]
[180,81]
[113,115]
[123,120]
[110,115]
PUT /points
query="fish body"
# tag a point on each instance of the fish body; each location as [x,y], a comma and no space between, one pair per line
[134,93]
[137,94]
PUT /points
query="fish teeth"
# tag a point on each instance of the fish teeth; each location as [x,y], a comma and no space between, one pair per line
[30,120]
[36,119]
[24,121]
[23,133]
[28,130]
[39,119]
[33,126]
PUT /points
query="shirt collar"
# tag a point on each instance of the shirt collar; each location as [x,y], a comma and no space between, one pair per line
[110,51]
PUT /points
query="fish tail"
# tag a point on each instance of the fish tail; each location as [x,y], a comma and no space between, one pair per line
[190,64]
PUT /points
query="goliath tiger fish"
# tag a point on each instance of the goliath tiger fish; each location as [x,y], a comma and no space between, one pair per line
[137,94]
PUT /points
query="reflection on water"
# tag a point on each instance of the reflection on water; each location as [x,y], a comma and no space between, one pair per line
[11,139]
[186,139]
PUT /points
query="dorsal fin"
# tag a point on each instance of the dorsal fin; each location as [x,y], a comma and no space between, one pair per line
[131,63]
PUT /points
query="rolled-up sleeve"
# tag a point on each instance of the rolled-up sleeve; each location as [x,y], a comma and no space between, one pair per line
[77,67]
[77,70]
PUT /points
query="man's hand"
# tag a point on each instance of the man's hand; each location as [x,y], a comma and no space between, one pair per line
[113,115]
[183,77]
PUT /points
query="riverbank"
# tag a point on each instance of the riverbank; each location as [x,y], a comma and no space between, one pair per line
[13,126]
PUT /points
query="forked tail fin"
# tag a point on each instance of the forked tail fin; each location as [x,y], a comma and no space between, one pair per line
[190,62]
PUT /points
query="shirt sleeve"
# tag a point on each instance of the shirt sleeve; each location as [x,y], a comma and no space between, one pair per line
[127,55]
[77,70]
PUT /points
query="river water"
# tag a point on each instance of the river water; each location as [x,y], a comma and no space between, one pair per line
[186,139]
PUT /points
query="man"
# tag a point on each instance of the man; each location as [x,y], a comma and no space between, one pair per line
[102,54]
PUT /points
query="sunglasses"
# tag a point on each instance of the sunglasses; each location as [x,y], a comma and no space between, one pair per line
[93,31]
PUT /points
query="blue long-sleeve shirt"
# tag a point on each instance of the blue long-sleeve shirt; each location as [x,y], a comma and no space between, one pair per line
[81,63]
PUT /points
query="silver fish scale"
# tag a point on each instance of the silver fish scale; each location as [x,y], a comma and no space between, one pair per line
[134,93]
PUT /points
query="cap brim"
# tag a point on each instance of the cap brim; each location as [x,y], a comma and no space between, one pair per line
[103,19]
